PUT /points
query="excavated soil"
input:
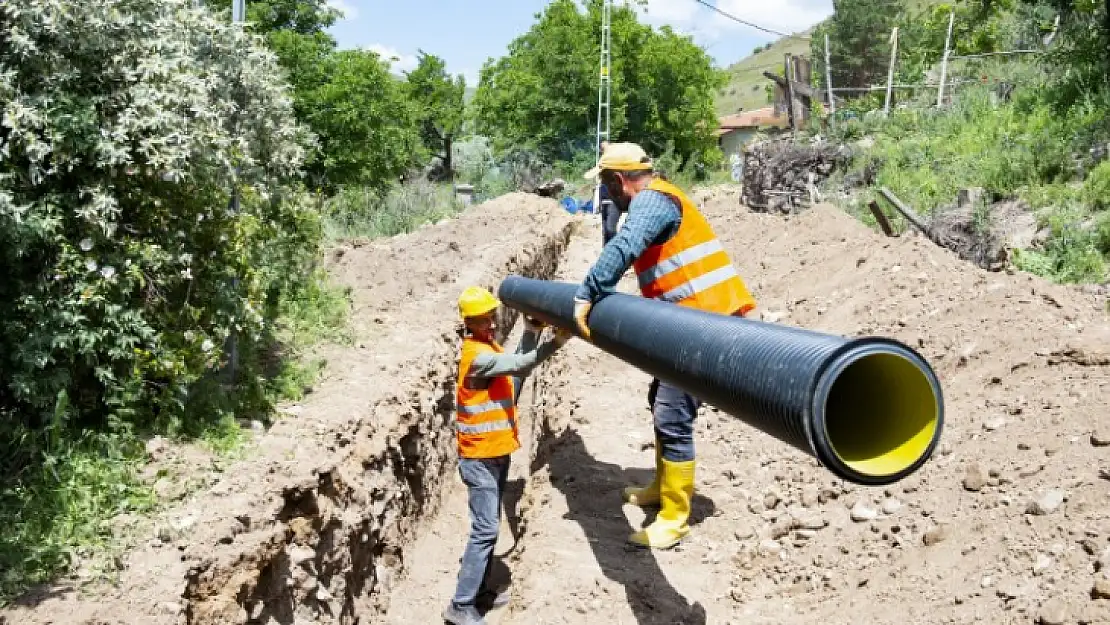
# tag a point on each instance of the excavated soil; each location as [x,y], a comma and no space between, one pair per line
[353,512]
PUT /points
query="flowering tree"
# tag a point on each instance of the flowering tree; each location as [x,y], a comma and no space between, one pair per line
[125,125]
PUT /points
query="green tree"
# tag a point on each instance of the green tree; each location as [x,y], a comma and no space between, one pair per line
[859,41]
[543,93]
[366,125]
[1078,60]
[438,99]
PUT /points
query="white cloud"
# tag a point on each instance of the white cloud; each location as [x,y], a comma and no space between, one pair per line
[350,11]
[398,62]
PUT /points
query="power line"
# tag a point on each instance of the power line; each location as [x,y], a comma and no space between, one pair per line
[747,23]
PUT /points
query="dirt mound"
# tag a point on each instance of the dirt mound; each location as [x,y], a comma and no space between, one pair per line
[1008,523]
[985,234]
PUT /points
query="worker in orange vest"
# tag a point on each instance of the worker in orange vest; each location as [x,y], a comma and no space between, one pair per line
[487,389]
[677,259]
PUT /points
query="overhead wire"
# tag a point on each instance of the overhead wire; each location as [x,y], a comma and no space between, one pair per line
[747,23]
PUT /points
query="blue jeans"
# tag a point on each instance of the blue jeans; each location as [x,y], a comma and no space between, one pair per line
[674,412]
[485,480]
[610,217]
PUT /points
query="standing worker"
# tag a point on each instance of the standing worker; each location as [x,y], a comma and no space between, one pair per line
[610,214]
[487,389]
[677,259]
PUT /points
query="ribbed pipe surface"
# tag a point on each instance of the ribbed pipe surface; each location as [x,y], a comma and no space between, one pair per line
[869,409]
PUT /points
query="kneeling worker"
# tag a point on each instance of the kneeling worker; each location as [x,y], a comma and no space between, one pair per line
[487,389]
[677,259]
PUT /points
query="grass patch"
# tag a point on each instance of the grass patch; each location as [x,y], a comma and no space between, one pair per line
[1022,149]
[69,495]
[361,213]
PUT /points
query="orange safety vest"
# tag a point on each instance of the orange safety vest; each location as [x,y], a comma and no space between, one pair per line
[692,268]
[485,409]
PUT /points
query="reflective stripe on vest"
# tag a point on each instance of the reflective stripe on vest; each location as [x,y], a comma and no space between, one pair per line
[700,284]
[489,406]
[691,268]
[485,418]
[482,428]
[678,261]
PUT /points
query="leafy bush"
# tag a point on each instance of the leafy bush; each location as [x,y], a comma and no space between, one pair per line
[129,264]
[1096,188]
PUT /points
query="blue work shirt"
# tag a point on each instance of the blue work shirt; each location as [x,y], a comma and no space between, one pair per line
[653,218]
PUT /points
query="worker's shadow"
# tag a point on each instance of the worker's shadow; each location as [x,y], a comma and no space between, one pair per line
[593,492]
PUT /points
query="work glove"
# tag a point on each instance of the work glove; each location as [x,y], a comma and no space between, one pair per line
[581,313]
[562,335]
[533,325]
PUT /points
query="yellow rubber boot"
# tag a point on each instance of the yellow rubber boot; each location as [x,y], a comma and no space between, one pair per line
[676,490]
[647,495]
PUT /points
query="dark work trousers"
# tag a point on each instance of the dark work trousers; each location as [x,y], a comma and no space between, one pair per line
[673,411]
[610,217]
[485,479]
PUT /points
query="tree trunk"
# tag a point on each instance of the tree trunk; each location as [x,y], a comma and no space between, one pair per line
[448,164]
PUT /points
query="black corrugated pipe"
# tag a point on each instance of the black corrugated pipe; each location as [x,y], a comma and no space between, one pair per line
[869,409]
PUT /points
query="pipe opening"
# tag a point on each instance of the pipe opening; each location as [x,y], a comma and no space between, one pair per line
[881,414]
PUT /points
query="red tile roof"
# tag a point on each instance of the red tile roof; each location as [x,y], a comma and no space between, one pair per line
[751,119]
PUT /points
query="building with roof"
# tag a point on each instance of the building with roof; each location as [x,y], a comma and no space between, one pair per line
[734,131]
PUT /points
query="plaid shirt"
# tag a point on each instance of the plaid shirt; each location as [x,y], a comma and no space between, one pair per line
[652,219]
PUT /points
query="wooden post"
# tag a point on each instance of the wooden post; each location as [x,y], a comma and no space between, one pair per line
[828,82]
[944,61]
[907,212]
[890,72]
[880,217]
[788,70]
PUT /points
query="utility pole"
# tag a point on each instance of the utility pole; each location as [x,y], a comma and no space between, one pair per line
[890,72]
[604,85]
[944,61]
[238,16]
[828,81]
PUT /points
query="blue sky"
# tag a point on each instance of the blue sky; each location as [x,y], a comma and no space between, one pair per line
[467,32]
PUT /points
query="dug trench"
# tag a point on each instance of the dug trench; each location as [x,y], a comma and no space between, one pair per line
[352,511]
[314,524]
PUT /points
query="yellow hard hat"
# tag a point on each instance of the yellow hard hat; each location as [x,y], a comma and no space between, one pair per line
[476,301]
[621,157]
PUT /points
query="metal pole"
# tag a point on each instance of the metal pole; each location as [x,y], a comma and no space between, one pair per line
[944,62]
[603,87]
[890,72]
[238,15]
[828,81]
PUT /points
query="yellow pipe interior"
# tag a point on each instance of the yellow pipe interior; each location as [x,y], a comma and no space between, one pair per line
[880,415]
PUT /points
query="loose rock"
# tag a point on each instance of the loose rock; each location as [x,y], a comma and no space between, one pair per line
[1101,589]
[1054,612]
[991,425]
[935,535]
[976,478]
[1042,564]
[890,506]
[862,512]
[1047,503]
[1100,438]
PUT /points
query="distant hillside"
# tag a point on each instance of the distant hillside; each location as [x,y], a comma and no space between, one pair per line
[747,85]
